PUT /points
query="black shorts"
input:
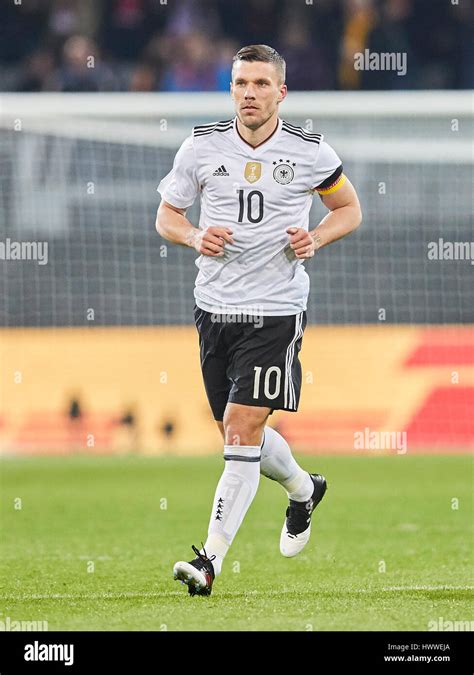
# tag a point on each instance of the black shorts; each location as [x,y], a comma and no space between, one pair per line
[253,362]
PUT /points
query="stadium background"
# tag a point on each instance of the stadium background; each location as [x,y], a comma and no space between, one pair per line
[98,354]
[102,406]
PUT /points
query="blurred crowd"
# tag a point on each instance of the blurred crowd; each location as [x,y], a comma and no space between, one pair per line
[187,45]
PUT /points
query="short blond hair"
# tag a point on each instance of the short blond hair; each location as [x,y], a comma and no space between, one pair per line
[262,53]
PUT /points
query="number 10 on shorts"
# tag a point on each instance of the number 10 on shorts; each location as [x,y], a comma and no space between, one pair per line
[266,383]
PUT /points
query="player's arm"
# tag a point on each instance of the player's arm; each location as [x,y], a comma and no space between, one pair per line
[172,224]
[178,190]
[344,216]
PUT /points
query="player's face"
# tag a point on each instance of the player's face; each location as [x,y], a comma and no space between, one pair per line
[257,91]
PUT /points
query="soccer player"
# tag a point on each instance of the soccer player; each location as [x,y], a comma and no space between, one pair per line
[256,175]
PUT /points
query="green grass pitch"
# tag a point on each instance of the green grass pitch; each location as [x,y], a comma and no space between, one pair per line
[93,545]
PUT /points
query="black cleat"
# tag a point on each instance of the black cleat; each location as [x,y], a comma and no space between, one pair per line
[197,574]
[297,526]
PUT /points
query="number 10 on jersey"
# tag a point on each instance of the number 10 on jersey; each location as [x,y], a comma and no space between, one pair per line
[250,206]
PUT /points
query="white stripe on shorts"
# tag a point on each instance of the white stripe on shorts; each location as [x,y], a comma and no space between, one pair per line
[290,397]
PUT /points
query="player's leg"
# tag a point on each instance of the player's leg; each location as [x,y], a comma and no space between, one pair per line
[278,464]
[236,489]
[199,573]
[243,428]
[272,358]
[304,491]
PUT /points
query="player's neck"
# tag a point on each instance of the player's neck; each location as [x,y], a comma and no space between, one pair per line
[258,136]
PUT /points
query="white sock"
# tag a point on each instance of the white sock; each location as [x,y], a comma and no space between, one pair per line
[234,494]
[278,463]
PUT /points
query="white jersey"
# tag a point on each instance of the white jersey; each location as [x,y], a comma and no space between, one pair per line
[258,193]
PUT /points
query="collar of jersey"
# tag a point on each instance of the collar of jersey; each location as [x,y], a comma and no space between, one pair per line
[261,146]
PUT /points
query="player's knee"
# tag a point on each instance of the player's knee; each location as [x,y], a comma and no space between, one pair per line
[242,430]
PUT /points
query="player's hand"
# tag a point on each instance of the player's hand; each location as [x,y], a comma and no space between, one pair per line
[212,240]
[301,242]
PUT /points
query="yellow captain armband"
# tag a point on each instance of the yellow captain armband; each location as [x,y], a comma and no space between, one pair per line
[338,183]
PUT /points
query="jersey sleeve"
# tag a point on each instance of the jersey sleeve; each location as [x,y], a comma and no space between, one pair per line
[180,186]
[328,176]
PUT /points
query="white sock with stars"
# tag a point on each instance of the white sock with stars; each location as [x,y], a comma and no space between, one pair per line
[234,494]
[278,463]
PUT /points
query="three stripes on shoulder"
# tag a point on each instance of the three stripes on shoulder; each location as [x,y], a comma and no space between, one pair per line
[301,133]
[207,129]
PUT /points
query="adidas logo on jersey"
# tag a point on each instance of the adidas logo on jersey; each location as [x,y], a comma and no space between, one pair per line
[221,171]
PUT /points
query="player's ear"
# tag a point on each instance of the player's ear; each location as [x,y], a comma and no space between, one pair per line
[283,93]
